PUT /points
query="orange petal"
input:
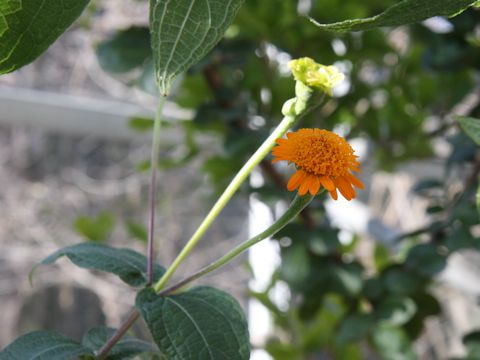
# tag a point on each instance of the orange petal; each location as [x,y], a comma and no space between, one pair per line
[304,186]
[314,185]
[327,183]
[334,194]
[355,181]
[290,134]
[345,188]
[296,180]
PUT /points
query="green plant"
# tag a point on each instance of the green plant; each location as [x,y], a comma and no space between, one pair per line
[340,307]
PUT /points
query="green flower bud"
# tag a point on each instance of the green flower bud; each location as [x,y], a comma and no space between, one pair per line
[288,108]
[316,75]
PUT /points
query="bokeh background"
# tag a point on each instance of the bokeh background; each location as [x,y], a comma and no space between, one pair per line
[392,274]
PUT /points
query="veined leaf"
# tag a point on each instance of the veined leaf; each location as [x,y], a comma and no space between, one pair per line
[44,345]
[29,27]
[126,348]
[403,12]
[203,323]
[184,31]
[129,265]
[471,127]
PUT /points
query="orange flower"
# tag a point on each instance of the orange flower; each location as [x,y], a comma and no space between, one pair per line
[322,158]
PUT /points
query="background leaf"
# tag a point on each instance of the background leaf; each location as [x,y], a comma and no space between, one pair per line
[396,310]
[129,265]
[125,51]
[471,126]
[392,343]
[355,327]
[126,348]
[29,27]
[95,228]
[203,323]
[426,259]
[44,345]
[404,12]
[184,31]
[137,231]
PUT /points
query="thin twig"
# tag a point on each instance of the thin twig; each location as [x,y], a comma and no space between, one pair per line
[153,189]
[132,317]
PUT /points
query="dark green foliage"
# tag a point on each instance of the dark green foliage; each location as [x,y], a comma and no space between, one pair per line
[127,348]
[44,345]
[29,27]
[203,323]
[184,31]
[126,50]
[129,265]
[403,12]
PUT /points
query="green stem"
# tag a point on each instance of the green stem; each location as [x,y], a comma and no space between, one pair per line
[301,105]
[297,205]
[153,187]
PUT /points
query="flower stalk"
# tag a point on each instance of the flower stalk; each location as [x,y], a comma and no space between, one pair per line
[309,77]
[306,100]
[298,204]
[153,188]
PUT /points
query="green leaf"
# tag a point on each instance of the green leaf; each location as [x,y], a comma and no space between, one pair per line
[203,323]
[355,327]
[373,289]
[283,351]
[471,127]
[140,124]
[137,231]
[401,281]
[129,265]
[125,51]
[403,12]
[472,343]
[381,257]
[29,27]
[396,310]
[44,345]
[95,228]
[126,348]
[426,259]
[392,343]
[184,31]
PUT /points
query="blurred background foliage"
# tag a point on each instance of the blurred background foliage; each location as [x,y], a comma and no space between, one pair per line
[403,86]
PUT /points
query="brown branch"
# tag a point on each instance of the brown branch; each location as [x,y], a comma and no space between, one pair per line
[121,331]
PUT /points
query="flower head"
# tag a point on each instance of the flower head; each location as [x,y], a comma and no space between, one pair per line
[322,158]
[315,75]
